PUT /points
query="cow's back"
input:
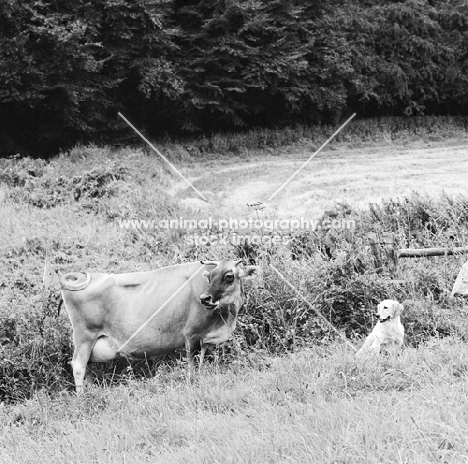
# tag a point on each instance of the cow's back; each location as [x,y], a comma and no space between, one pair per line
[143,313]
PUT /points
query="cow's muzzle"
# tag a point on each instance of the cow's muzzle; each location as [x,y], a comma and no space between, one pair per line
[207,302]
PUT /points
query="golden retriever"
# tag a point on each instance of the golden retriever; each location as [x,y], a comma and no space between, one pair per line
[388,334]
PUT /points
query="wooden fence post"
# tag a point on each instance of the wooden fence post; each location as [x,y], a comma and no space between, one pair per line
[383,249]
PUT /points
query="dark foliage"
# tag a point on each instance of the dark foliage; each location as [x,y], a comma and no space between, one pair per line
[174,67]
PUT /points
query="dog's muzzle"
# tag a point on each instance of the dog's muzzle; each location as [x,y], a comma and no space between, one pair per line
[385,320]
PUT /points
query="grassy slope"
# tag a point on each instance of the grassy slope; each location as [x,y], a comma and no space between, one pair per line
[313,406]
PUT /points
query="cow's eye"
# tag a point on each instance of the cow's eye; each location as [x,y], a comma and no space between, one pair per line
[229,277]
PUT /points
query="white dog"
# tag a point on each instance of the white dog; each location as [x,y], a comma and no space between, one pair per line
[388,334]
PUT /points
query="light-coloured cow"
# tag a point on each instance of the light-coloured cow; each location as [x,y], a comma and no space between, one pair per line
[142,315]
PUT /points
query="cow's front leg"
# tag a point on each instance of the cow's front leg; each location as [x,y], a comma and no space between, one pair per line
[204,346]
[219,358]
[190,347]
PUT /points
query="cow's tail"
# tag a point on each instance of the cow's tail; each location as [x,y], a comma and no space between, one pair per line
[75,281]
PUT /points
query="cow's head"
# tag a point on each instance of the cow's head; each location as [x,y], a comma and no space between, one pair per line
[225,283]
[388,309]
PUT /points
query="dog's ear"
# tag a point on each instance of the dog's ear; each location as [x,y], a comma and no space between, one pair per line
[378,308]
[397,309]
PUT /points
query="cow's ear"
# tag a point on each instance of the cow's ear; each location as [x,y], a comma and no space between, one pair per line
[206,275]
[249,272]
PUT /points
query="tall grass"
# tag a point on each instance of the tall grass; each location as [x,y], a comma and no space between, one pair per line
[68,209]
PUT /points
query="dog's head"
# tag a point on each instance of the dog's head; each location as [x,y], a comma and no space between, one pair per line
[388,309]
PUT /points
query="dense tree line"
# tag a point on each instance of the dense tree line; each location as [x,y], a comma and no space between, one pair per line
[173,66]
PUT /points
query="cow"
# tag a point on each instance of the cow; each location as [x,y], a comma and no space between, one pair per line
[142,315]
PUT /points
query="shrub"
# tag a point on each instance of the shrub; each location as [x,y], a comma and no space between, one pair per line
[38,184]
[334,274]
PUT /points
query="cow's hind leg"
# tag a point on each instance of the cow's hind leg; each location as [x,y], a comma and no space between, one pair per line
[81,355]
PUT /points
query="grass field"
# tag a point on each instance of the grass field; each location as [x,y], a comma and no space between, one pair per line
[315,406]
[359,175]
[286,391]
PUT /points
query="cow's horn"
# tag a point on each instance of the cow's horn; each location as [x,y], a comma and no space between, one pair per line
[210,263]
[236,263]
